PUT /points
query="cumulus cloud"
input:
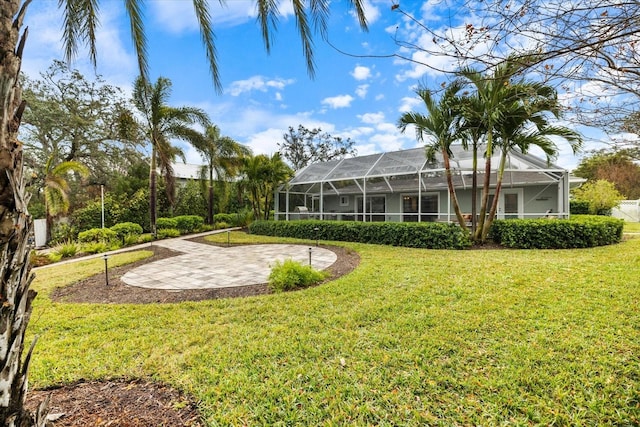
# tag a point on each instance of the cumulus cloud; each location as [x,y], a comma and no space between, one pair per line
[371,12]
[362,90]
[361,73]
[259,83]
[340,101]
[177,16]
[408,104]
[372,118]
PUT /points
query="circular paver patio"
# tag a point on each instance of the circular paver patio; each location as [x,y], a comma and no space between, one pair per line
[203,266]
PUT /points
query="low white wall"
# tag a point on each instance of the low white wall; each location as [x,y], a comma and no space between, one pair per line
[629,210]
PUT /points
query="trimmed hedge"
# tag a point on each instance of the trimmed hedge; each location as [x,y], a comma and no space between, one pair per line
[97,235]
[188,223]
[163,223]
[124,229]
[429,235]
[581,231]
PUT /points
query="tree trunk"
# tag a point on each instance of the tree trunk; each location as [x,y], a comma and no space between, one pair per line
[485,189]
[496,196]
[452,190]
[152,193]
[474,190]
[15,227]
[210,220]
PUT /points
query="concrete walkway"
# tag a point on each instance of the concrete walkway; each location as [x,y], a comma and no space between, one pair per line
[205,266]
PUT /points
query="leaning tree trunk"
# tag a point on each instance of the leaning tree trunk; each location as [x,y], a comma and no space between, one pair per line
[15,227]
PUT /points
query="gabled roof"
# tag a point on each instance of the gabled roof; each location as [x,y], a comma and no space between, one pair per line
[412,161]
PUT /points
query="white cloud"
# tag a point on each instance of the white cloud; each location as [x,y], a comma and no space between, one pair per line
[278,96]
[340,101]
[361,73]
[388,142]
[371,118]
[362,90]
[177,16]
[408,104]
[379,97]
[259,83]
[371,12]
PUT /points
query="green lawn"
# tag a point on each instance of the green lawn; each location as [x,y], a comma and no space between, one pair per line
[631,227]
[411,337]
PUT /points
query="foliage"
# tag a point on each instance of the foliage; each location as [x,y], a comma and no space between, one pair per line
[164,233]
[63,232]
[553,341]
[578,207]
[222,225]
[188,223]
[261,177]
[65,250]
[413,235]
[601,195]
[126,229]
[163,223]
[306,146]
[616,167]
[581,231]
[103,235]
[190,200]
[290,275]
[99,247]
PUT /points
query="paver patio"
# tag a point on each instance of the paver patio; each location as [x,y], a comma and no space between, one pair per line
[203,266]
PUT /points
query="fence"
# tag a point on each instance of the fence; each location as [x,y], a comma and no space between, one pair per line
[629,210]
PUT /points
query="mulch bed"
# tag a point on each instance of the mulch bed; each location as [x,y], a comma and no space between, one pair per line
[141,403]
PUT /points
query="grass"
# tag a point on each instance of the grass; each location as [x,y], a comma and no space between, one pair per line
[411,337]
[631,227]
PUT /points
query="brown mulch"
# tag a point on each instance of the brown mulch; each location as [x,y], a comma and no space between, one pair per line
[141,403]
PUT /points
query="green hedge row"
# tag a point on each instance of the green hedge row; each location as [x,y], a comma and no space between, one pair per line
[429,235]
[185,223]
[581,231]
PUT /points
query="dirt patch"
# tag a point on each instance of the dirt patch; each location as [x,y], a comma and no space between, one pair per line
[142,403]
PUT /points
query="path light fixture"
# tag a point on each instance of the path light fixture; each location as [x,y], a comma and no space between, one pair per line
[310,250]
[316,229]
[228,238]
[105,257]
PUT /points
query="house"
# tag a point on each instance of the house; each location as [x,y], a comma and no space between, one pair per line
[405,186]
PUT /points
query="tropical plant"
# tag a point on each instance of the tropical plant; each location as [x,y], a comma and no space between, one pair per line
[80,22]
[601,196]
[441,126]
[223,157]
[160,124]
[262,174]
[56,188]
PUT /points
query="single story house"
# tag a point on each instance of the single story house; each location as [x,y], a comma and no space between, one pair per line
[405,186]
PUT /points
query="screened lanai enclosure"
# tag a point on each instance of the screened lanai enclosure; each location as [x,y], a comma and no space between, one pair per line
[404,186]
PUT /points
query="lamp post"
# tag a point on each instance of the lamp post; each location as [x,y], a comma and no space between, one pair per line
[316,229]
[310,250]
[105,257]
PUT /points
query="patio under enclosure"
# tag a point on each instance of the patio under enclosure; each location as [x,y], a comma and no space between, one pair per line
[406,186]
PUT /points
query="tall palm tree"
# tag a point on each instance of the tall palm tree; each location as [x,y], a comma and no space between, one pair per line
[80,22]
[262,174]
[160,124]
[527,125]
[223,157]
[494,92]
[56,188]
[441,125]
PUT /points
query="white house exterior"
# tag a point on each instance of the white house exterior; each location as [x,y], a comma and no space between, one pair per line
[405,186]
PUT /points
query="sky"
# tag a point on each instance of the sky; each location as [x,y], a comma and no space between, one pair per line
[359,90]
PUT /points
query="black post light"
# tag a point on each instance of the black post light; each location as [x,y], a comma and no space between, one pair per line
[105,257]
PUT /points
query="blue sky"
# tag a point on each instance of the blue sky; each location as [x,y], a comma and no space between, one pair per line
[356,97]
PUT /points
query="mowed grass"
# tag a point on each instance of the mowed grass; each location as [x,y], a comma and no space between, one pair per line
[631,227]
[411,337]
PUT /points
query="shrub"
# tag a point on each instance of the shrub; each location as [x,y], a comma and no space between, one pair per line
[162,223]
[66,250]
[430,235]
[63,233]
[131,239]
[94,235]
[600,195]
[581,231]
[37,259]
[578,207]
[125,229]
[188,223]
[290,275]
[221,225]
[145,238]
[168,232]
[54,257]
[98,247]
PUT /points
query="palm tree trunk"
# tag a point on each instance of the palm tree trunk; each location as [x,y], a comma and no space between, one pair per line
[474,189]
[496,196]
[485,189]
[152,192]
[15,227]
[452,190]
[210,206]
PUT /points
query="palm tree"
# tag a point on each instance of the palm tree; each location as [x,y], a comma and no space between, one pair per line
[262,174]
[441,125]
[160,124]
[494,94]
[527,125]
[56,188]
[223,156]
[80,23]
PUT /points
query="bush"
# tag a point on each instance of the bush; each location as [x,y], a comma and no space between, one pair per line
[98,247]
[97,235]
[188,223]
[162,223]
[428,235]
[221,225]
[63,233]
[168,232]
[578,207]
[125,229]
[290,275]
[581,231]
[65,250]
[145,238]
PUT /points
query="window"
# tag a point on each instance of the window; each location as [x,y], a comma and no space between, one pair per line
[344,200]
[429,209]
